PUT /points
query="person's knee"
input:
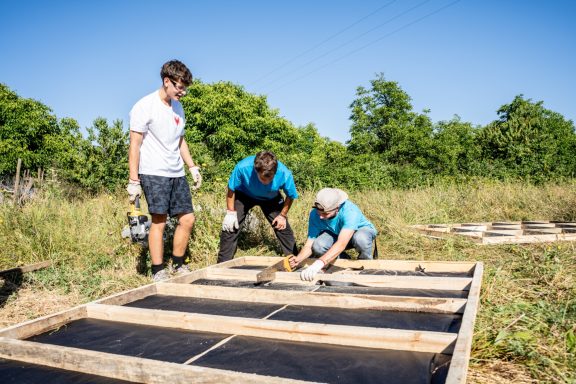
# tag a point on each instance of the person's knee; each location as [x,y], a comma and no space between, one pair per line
[187,220]
[320,246]
[363,242]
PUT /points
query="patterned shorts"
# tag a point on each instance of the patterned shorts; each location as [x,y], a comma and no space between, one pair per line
[167,195]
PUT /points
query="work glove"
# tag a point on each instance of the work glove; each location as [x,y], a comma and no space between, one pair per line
[134,189]
[196,177]
[230,223]
[309,273]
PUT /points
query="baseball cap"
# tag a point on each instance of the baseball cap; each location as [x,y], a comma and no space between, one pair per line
[328,199]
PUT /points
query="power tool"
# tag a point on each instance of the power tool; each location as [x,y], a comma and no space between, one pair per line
[138,223]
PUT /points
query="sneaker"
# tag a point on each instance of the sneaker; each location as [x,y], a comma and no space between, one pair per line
[182,270]
[161,275]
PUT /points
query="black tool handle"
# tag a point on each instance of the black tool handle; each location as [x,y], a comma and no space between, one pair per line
[137,202]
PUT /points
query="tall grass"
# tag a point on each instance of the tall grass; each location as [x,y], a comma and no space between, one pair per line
[527,316]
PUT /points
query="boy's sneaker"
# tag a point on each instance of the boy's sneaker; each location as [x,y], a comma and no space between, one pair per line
[161,275]
[182,270]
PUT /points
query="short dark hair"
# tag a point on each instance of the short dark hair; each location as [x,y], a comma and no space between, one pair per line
[177,71]
[266,164]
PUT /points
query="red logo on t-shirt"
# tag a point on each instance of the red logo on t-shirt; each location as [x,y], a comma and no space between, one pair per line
[177,119]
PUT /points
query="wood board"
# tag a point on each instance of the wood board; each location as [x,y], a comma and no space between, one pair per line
[503,232]
[463,278]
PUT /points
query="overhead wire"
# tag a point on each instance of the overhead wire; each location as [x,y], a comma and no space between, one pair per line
[321,43]
[350,41]
[366,45]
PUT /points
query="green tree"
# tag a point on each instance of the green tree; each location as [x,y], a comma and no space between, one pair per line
[383,122]
[454,148]
[529,141]
[24,125]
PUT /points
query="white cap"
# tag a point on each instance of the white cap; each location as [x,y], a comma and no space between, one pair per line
[328,199]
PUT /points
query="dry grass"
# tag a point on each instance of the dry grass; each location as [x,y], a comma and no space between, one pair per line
[527,319]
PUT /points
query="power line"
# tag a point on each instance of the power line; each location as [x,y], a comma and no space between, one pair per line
[350,41]
[367,45]
[321,43]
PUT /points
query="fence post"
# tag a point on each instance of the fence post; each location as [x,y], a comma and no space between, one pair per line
[17,181]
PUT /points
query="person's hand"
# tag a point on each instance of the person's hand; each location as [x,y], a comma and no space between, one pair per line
[309,273]
[279,222]
[134,189]
[294,261]
[196,176]
[230,223]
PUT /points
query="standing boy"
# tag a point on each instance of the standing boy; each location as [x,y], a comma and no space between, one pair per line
[257,180]
[157,154]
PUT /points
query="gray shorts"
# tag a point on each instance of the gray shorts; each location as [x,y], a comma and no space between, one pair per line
[167,195]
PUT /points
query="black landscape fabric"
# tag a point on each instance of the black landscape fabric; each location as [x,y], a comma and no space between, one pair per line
[165,344]
[22,373]
[326,363]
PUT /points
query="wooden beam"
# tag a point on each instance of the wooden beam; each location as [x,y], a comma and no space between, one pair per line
[365,337]
[127,368]
[415,282]
[43,324]
[317,299]
[26,268]
[129,295]
[461,355]
[395,265]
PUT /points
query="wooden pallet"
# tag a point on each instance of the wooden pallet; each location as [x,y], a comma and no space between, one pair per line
[236,279]
[508,232]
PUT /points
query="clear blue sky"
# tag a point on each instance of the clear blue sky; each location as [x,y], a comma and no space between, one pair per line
[86,59]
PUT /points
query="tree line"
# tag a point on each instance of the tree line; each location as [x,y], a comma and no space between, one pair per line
[391,145]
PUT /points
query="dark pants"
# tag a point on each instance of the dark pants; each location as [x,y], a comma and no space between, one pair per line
[271,208]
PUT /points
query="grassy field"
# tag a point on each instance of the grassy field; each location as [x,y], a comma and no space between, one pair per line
[526,325]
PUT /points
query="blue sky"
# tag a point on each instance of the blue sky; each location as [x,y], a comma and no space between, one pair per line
[86,59]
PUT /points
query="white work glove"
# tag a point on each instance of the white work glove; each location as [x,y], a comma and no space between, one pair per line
[309,273]
[196,176]
[134,189]
[230,223]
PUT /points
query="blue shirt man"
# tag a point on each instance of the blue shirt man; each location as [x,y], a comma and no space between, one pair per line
[258,180]
[334,225]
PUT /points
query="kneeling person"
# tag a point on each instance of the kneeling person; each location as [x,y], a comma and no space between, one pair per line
[334,225]
[257,180]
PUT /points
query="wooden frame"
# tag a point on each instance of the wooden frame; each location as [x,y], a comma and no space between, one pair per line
[464,276]
[509,232]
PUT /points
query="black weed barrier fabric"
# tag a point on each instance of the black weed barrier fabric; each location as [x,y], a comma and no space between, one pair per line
[165,344]
[327,363]
[22,373]
[418,321]
[206,306]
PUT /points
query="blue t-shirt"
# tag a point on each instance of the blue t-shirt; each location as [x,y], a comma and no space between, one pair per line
[244,178]
[349,217]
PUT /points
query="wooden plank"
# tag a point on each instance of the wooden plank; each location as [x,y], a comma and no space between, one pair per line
[43,324]
[365,337]
[129,295]
[415,282]
[526,239]
[127,368]
[317,299]
[396,265]
[461,355]
[26,268]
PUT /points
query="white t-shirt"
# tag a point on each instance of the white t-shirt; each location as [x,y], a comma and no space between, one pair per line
[162,127]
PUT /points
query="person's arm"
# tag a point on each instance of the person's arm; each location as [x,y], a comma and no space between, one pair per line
[185,153]
[304,253]
[133,188]
[230,223]
[230,196]
[279,221]
[134,154]
[193,168]
[338,247]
